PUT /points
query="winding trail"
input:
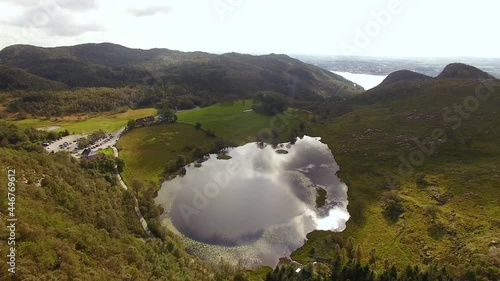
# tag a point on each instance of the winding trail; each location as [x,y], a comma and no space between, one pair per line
[136,202]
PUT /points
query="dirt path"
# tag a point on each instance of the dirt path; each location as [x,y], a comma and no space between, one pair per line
[136,207]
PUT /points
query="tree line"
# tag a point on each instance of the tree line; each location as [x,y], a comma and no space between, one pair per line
[97,100]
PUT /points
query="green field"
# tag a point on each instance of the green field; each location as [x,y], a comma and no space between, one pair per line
[107,151]
[231,122]
[109,123]
[148,150]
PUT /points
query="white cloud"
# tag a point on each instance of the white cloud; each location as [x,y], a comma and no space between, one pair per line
[149,11]
[78,5]
[73,5]
[23,3]
[423,28]
[52,21]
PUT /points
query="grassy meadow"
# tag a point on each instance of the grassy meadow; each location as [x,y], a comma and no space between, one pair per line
[232,123]
[107,151]
[110,122]
[147,150]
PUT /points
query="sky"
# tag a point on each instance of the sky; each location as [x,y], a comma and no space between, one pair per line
[385,28]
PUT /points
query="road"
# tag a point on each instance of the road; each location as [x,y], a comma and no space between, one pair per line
[136,207]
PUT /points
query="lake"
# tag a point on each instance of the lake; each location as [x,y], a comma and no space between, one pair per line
[366,81]
[260,204]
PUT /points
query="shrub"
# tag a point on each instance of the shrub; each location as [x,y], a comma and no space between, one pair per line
[198,152]
[270,103]
[181,161]
[210,133]
[420,180]
[302,127]
[431,211]
[437,230]
[393,208]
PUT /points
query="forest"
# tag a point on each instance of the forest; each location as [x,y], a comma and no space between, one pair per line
[99,100]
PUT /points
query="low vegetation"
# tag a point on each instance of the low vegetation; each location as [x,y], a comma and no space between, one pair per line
[148,151]
[107,151]
[74,224]
[390,193]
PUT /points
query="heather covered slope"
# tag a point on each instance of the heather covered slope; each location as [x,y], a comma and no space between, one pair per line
[76,223]
[420,160]
[463,71]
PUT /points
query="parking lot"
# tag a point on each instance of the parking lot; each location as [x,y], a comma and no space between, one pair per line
[69,143]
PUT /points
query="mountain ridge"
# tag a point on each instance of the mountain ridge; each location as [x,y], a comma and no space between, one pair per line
[451,71]
[112,65]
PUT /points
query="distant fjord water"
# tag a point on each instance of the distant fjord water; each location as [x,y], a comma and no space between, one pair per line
[367,81]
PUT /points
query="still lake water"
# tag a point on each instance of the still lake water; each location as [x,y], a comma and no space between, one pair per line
[257,206]
[367,81]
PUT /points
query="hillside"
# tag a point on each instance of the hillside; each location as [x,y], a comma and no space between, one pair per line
[463,71]
[76,223]
[109,65]
[404,83]
[423,182]
[15,78]
[403,76]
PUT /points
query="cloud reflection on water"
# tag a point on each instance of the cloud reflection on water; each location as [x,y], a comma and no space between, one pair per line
[260,204]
